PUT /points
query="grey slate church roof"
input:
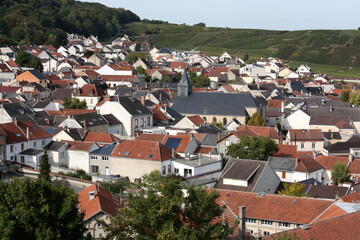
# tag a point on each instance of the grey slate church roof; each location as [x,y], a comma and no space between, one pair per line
[214,103]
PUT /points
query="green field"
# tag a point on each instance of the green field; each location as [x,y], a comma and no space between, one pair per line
[326,51]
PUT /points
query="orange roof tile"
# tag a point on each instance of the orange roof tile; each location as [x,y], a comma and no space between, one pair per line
[151,137]
[285,150]
[275,103]
[329,161]
[79,146]
[184,143]
[159,116]
[100,137]
[355,166]
[103,201]
[196,120]
[147,150]
[352,198]
[35,132]
[307,164]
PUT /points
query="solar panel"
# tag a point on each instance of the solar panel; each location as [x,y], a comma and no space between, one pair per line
[172,142]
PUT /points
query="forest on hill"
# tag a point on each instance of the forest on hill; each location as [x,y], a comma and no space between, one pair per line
[25,22]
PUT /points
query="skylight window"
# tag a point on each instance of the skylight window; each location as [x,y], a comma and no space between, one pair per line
[18,135]
[91,123]
[151,156]
[127,153]
[138,111]
[35,128]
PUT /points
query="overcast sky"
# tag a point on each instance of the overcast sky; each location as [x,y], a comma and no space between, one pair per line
[260,14]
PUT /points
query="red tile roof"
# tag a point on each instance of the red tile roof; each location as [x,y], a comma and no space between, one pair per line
[269,132]
[331,212]
[339,91]
[274,207]
[344,227]
[196,120]
[181,65]
[159,116]
[184,143]
[285,150]
[100,137]
[147,150]
[13,64]
[13,133]
[275,103]
[329,161]
[103,201]
[229,88]
[204,150]
[118,78]
[89,90]
[69,112]
[307,164]
[79,146]
[35,132]
[352,198]
[306,135]
[151,137]
[355,166]
[4,89]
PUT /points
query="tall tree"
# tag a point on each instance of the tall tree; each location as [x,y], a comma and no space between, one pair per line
[296,190]
[164,212]
[74,103]
[45,167]
[35,209]
[345,96]
[256,120]
[257,148]
[340,173]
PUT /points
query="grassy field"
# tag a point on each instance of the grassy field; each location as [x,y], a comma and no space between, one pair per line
[331,51]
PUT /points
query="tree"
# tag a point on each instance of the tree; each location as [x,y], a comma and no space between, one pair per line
[134,56]
[45,167]
[345,96]
[296,190]
[340,173]
[25,59]
[218,124]
[259,148]
[246,57]
[116,186]
[200,81]
[256,120]
[35,209]
[74,103]
[200,24]
[162,211]
[354,98]
[35,63]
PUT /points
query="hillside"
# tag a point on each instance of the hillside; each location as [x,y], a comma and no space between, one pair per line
[47,21]
[335,47]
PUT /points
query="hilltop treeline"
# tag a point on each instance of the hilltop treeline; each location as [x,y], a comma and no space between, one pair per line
[47,21]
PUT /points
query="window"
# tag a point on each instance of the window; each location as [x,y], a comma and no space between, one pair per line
[93,157]
[266,233]
[11,148]
[214,119]
[227,143]
[187,172]
[22,147]
[62,154]
[43,142]
[34,144]
[164,170]
[94,169]
[284,224]
[224,121]
[204,119]
[91,101]
[313,145]
[169,168]
[12,158]
[142,122]
[148,121]
[251,231]
[266,222]
[302,145]
[176,170]
[283,175]
[105,158]
[22,158]
[136,123]
[250,220]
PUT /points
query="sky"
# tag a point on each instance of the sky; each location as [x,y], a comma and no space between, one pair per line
[259,14]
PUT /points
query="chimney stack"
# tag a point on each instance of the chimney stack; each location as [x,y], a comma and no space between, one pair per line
[143,100]
[15,121]
[242,219]
[200,159]
[219,135]
[351,158]
[282,106]
[173,152]
[297,161]
[91,195]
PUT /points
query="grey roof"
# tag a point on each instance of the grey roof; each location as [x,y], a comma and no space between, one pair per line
[166,50]
[214,103]
[91,119]
[353,113]
[76,134]
[61,93]
[140,93]
[55,145]
[31,152]
[195,162]
[317,101]
[208,129]
[174,114]
[298,86]
[344,147]
[123,91]
[38,74]
[20,111]
[164,95]
[105,150]
[282,164]
[133,106]
[112,120]
[210,139]
[324,191]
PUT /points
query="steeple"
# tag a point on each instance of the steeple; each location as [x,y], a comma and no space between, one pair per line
[184,86]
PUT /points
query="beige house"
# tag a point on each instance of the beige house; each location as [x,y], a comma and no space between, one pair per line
[306,139]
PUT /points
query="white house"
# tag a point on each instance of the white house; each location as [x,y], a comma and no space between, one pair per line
[79,154]
[304,70]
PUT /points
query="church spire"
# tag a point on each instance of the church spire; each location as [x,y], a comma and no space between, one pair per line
[184,86]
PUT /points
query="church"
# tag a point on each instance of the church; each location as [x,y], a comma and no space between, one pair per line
[213,106]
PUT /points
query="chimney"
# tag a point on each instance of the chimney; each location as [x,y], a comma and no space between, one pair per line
[219,135]
[143,100]
[173,152]
[242,219]
[27,132]
[15,121]
[282,106]
[84,122]
[297,161]
[351,158]
[314,153]
[200,159]
[91,195]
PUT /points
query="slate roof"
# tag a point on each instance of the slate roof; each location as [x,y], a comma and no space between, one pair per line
[241,169]
[214,103]
[324,191]
[282,164]
[133,106]
[37,74]
[91,119]
[308,164]
[31,152]
[61,93]
[112,120]
[105,150]
[344,147]
[54,145]
[305,135]
[327,120]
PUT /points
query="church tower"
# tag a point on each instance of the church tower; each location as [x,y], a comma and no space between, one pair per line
[184,87]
